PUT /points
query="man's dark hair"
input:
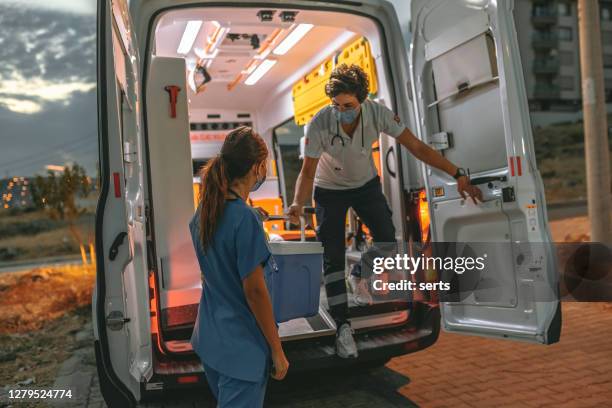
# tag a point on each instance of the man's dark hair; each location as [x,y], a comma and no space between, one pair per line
[349,80]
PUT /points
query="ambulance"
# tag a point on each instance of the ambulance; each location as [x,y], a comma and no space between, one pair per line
[174,76]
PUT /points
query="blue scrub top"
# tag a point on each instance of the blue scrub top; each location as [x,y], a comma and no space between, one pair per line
[226,335]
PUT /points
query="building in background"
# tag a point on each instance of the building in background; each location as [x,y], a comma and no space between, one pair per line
[16,193]
[549,46]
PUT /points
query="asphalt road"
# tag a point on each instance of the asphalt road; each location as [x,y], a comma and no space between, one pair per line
[47,262]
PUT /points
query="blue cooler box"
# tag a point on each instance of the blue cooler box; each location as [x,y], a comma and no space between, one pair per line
[293,277]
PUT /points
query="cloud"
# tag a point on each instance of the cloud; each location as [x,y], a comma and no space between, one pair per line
[48,100]
[47,56]
[28,96]
[56,135]
[20,105]
[64,6]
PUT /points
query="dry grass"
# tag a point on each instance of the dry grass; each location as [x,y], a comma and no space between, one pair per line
[30,299]
[39,354]
[53,239]
[40,311]
[560,160]
[48,243]
[575,229]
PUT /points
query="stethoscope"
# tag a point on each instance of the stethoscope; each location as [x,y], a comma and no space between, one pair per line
[337,135]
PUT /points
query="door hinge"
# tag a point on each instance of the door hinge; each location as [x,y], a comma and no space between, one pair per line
[151,261]
[129,154]
[115,320]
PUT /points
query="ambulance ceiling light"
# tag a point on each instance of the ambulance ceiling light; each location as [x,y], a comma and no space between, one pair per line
[191,32]
[217,37]
[293,38]
[261,70]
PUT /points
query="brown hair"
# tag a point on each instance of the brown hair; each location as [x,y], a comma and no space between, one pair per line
[346,79]
[241,150]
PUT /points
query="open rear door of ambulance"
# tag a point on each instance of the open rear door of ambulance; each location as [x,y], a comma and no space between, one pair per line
[470,97]
[121,298]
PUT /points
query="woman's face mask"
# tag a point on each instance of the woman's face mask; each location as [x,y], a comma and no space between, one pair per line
[260,180]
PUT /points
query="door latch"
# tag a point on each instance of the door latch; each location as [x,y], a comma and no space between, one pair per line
[508,194]
[440,141]
[114,249]
[115,320]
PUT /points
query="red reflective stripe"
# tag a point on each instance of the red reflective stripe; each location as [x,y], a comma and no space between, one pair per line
[512,166]
[117,182]
[187,379]
[519,170]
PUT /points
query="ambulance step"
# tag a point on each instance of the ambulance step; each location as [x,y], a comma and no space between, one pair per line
[178,367]
[317,326]
[321,352]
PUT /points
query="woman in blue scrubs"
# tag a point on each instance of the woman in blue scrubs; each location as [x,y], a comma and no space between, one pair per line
[235,335]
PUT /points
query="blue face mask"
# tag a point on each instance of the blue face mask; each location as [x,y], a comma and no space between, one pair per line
[258,183]
[347,116]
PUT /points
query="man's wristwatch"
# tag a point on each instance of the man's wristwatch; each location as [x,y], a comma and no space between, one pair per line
[460,173]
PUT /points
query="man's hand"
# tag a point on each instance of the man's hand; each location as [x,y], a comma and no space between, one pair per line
[294,212]
[263,214]
[465,188]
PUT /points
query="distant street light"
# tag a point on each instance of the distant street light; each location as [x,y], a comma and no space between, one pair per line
[54,167]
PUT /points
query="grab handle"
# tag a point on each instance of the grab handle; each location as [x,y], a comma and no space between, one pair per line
[487,179]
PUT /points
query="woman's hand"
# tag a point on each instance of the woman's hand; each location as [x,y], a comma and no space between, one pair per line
[280,365]
[465,187]
[294,212]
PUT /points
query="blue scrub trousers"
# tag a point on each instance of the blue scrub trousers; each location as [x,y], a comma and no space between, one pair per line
[234,393]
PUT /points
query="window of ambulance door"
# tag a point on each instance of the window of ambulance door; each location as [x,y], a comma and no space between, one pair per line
[287,154]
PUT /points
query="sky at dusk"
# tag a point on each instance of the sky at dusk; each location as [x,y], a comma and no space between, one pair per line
[47,85]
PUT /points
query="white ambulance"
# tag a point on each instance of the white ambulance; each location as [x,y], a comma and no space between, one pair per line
[175,75]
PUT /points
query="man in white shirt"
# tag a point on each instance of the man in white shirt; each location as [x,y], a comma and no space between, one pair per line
[338,163]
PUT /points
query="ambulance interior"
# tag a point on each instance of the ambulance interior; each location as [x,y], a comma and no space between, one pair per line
[244,66]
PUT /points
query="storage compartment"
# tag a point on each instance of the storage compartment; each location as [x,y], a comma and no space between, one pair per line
[464,67]
[466,101]
[293,276]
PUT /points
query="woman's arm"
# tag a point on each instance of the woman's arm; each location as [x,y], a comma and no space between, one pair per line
[428,155]
[303,188]
[257,297]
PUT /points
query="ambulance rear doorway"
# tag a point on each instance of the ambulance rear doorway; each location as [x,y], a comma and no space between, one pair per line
[214,69]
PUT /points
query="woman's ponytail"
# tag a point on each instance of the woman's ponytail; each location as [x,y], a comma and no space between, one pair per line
[241,150]
[212,197]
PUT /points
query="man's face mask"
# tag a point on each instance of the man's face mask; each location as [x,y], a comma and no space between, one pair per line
[259,181]
[347,116]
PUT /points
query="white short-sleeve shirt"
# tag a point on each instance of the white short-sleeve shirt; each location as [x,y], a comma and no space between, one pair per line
[350,165]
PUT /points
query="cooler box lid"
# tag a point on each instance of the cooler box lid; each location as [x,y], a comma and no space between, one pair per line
[295,248]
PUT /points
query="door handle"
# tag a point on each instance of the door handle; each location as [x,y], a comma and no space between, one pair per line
[117,242]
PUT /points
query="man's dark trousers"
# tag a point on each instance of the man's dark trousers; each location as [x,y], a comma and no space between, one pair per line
[370,204]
